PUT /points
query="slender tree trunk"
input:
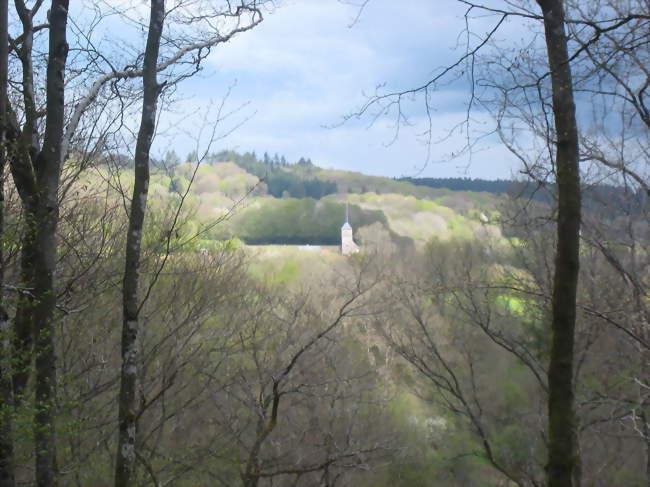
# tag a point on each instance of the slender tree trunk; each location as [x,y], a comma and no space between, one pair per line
[126,446]
[22,333]
[48,171]
[563,459]
[22,160]
[7,475]
[642,321]
[36,173]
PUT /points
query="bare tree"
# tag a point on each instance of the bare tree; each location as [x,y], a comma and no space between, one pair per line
[44,132]
[7,476]
[126,447]
[36,172]
[295,405]
[444,322]
[563,460]
[607,45]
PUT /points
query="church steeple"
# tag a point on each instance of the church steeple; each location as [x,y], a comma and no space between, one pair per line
[347,242]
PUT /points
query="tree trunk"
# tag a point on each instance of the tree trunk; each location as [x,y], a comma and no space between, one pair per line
[563,459]
[23,335]
[126,446]
[48,170]
[25,150]
[7,475]
[36,173]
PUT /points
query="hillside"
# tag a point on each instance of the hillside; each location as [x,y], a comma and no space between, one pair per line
[234,196]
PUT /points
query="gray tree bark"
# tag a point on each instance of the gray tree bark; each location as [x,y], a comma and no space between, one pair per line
[48,172]
[36,173]
[563,460]
[24,151]
[127,439]
[7,475]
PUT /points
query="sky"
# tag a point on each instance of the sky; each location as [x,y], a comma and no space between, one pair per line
[292,81]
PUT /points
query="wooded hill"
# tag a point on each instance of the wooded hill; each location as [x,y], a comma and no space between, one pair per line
[274,202]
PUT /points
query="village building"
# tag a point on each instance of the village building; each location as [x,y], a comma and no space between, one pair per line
[348,247]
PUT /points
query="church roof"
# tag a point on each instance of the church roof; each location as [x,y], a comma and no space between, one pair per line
[346,225]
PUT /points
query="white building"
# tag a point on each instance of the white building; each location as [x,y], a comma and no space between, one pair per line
[348,246]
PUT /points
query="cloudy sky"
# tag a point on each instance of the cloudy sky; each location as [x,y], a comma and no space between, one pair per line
[294,78]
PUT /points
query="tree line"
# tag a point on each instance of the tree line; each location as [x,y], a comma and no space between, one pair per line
[279,179]
[594,192]
[291,221]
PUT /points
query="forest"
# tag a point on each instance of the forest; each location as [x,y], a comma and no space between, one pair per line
[188,321]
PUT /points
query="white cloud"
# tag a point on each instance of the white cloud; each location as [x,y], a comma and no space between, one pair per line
[303,68]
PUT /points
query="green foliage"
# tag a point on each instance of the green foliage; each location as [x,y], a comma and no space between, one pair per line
[498,186]
[421,220]
[459,228]
[357,183]
[290,217]
[288,272]
[278,177]
[297,221]
[511,304]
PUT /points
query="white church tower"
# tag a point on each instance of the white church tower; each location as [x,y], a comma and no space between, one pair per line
[348,246]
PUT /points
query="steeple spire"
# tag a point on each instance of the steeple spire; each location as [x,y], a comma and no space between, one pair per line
[347,241]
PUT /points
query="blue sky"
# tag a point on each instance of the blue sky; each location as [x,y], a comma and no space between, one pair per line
[294,78]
